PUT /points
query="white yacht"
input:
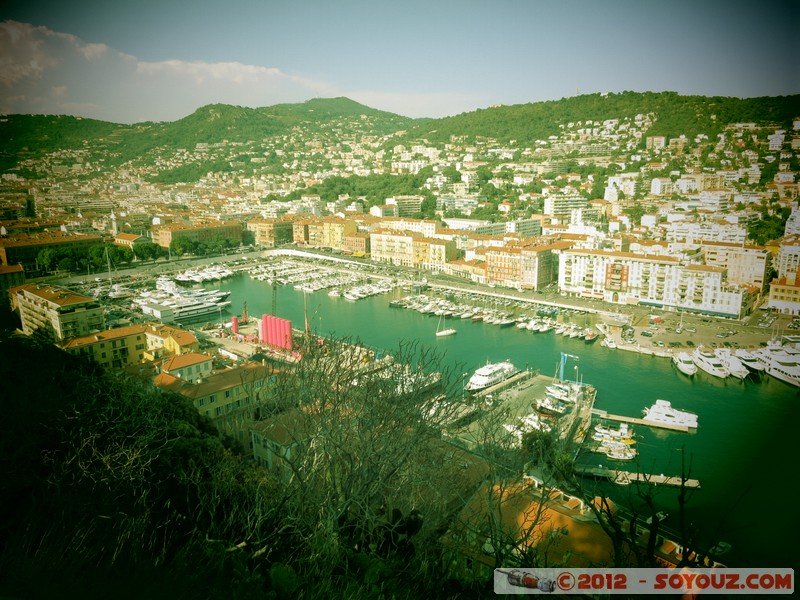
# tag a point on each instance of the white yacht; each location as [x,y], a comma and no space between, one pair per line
[685,364]
[707,360]
[750,360]
[732,364]
[662,412]
[490,374]
[608,342]
[781,362]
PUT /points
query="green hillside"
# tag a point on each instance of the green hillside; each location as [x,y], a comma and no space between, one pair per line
[674,115]
[25,137]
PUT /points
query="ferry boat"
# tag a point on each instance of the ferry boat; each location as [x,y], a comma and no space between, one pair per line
[684,362]
[490,374]
[707,360]
[662,412]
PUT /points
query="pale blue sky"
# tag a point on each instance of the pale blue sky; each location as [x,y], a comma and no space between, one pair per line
[162,59]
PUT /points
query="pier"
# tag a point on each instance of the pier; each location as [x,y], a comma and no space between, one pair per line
[505,384]
[626,477]
[635,421]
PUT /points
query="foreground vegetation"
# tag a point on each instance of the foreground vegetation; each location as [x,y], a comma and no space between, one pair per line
[111,487]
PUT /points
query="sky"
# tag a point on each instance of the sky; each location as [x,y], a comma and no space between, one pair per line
[160,60]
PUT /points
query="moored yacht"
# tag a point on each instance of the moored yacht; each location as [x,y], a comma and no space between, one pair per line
[662,413]
[490,374]
[707,360]
[782,363]
[750,360]
[731,363]
[684,362]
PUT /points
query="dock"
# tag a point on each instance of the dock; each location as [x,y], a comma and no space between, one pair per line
[626,477]
[635,421]
[505,384]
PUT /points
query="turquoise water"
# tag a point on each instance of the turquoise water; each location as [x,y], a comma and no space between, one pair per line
[744,451]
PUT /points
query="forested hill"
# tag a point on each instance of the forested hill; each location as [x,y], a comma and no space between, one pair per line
[33,136]
[674,115]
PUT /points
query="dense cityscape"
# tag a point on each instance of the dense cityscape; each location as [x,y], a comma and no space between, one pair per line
[270,452]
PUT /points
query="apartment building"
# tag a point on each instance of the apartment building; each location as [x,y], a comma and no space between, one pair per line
[784,294]
[560,206]
[11,276]
[788,258]
[407,206]
[200,232]
[626,278]
[163,340]
[228,397]
[521,266]
[276,440]
[334,232]
[745,265]
[421,226]
[358,244]
[67,313]
[697,231]
[24,248]
[433,254]
[112,348]
[300,232]
[392,247]
[268,233]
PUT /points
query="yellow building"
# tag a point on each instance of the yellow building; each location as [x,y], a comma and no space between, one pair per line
[113,348]
[229,397]
[163,340]
[269,233]
[334,232]
[199,232]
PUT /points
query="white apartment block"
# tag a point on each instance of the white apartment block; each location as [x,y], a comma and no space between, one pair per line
[661,186]
[562,205]
[715,200]
[745,265]
[426,228]
[697,231]
[788,259]
[624,182]
[793,223]
[626,278]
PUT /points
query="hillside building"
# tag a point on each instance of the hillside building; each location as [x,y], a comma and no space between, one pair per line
[67,313]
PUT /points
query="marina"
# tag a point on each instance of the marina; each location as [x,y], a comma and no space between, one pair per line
[748,421]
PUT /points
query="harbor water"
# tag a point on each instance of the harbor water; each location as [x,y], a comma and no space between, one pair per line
[743,453]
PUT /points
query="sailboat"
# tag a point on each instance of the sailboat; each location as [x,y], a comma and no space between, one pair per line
[443,332]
